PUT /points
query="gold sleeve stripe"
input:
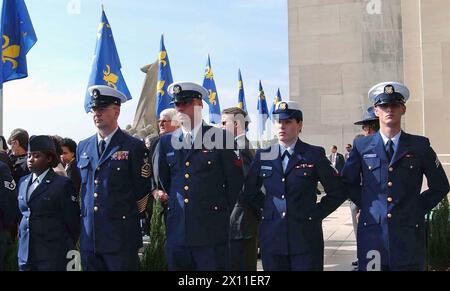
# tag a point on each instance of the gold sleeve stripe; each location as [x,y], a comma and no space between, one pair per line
[142,203]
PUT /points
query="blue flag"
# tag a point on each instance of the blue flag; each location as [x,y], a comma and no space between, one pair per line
[275,101]
[213,98]
[18,38]
[106,64]
[164,80]
[241,97]
[263,112]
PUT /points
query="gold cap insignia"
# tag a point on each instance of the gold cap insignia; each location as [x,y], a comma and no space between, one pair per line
[95,93]
[177,89]
[389,89]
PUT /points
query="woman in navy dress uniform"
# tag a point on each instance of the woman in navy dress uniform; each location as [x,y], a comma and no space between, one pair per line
[282,183]
[50,224]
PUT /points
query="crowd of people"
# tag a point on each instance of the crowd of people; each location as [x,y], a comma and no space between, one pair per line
[222,198]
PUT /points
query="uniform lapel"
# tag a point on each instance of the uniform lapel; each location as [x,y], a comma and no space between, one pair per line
[114,146]
[402,148]
[91,151]
[378,147]
[296,156]
[197,142]
[43,185]
[276,163]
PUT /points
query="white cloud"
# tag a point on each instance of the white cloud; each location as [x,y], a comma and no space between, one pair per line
[43,108]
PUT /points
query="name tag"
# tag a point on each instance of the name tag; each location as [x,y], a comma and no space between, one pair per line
[266,168]
[170,154]
[367,156]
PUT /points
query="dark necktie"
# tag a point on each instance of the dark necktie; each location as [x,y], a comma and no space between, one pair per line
[101,147]
[285,154]
[390,149]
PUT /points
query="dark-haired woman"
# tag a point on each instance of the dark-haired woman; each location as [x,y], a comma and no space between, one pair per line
[50,223]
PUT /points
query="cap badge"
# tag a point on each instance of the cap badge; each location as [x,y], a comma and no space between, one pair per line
[283,106]
[177,89]
[95,93]
[389,89]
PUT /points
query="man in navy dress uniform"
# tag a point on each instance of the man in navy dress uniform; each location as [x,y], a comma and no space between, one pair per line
[115,183]
[200,172]
[282,183]
[391,163]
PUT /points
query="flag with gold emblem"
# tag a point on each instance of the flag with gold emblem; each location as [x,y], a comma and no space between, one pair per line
[18,37]
[213,98]
[164,80]
[241,96]
[263,112]
[106,67]
[275,101]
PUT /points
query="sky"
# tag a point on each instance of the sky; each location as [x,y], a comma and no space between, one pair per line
[248,34]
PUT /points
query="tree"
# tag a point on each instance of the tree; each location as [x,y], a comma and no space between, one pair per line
[438,250]
[153,258]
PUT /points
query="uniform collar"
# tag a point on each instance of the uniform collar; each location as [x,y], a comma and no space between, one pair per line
[107,139]
[290,148]
[40,177]
[240,140]
[192,132]
[395,139]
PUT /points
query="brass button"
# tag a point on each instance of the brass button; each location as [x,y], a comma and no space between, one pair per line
[264,175]
[284,179]
[98,168]
[188,164]
[186,188]
[186,176]
[370,168]
[124,217]
[390,184]
[283,214]
[118,169]
[389,199]
[186,200]
[365,224]
[310,218]
[411,167]
[389,215]
[95,195]
[96,182]
[391,169]
[216,208]
[95,208]
[209,163]
[282,196]
[305,174]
